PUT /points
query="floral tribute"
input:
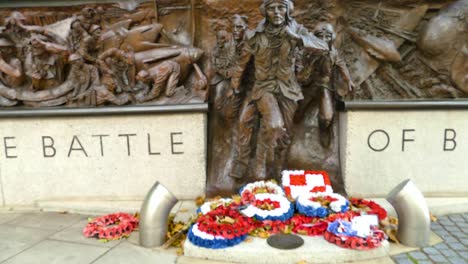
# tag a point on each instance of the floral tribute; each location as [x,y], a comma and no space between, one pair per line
[321,204]
[111,226]
[369,207]
[262,209]
[267,206]
[297,182]
[344,234]
[220,228]
[262,187]
[211,205]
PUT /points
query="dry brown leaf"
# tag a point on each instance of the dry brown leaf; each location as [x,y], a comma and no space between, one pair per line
[433,217]
[248,240]
[392,235]
[200,200]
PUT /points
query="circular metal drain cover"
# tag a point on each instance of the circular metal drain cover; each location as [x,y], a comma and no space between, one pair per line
[285,241]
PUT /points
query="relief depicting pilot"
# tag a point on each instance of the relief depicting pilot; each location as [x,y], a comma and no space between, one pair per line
[273,101]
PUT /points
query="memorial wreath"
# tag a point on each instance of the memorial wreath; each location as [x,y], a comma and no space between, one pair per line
[220,228]
[321,204]
[111,226]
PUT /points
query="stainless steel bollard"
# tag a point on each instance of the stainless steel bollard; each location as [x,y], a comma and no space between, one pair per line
[153,215]
[414,224]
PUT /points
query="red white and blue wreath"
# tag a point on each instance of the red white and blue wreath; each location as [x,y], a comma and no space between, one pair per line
[358,234]
[262,187]
[321,204]
[220,228]
[267,206]
[298,182]
[211,205]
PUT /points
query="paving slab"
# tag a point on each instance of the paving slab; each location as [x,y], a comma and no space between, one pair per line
[57,252]
[128,253]
[7,217]
[74,234]
[51,221]
[15,239]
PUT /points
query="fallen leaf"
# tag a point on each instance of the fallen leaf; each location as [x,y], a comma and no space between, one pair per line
[433,217]
[183,210]
[248,240]
[200,200]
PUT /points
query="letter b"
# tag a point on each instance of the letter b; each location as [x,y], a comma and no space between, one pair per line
[48,149]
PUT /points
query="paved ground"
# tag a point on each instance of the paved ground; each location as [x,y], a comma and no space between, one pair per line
[453,229]
[44,237]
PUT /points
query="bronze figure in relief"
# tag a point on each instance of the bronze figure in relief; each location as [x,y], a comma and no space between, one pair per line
[273,100]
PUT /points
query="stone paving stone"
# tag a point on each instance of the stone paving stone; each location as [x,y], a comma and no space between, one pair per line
[7,217]
[418,255]
[14,239]
[450,239]
[57,252]
[457,260]
[449,253]
[460,235]
[74,234]
[457,246]
[462,225]
[463,254]
[431,251]
[441,246]
[464,242]
[447,222]
[404,261]
[52,221]
[443,233]
[424,262]
[438,258]
[465,215]
[452,229]
[456,218]
[437,227]
[131,254]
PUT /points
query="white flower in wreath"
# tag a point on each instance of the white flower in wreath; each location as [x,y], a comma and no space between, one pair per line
[276,189]
[208,206]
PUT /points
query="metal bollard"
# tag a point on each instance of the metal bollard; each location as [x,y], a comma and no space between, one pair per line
[414,224]
[153,215]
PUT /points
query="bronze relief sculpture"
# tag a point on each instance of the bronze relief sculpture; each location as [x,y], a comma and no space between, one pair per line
[91,59]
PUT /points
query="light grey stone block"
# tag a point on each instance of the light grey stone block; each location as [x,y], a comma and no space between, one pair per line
[418,255]
[125,165]
[449,253]
[131,254]
[431,251]
[457,260]
[14,239]
[457,246]
[438,259]
[57,252]
[441,246]
[7,217]
[51,221]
